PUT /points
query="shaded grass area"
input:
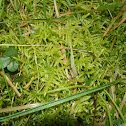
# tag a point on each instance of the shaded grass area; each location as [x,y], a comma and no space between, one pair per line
[64,52]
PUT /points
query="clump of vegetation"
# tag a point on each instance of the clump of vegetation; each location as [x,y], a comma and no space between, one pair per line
[72,62]
[8,61]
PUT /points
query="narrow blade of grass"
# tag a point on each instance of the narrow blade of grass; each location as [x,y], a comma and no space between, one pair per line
[123,118]
[21,38]
[110,120]
[72,58]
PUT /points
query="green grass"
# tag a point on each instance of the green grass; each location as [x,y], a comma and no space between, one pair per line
[92,62]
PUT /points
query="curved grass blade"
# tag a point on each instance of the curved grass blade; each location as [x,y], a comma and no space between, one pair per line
[54,103]
[107,109]
[66,88]
[123,118]
[20,33]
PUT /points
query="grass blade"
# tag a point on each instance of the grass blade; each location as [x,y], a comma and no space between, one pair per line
[123,118]
[21,38]
[107,107]
[72,57]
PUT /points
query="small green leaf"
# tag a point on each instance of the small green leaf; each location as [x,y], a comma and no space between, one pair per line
[5,61]
[11,51]
[13,65]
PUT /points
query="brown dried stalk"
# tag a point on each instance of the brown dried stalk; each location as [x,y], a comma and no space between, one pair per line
[29,83]
[23,9]
[119,15]
[123,102]
[65,61]
[20,107]
[10,83]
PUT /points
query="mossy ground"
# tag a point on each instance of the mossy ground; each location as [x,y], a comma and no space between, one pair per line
[49,47]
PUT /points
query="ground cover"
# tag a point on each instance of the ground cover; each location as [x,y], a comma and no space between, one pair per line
[63,62]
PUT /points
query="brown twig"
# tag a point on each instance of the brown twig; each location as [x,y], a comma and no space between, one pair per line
[113,42]
[118,24]
[27,120]
[41,88]
[29,83]
[9,109]
[56,9]
[36,67]
[66,62]
[119,15]
[95,106]
[21,71]
[12,4]
[10,83]
[28,27]
[123,102]
[24,24]
[23,9]
[58,47]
